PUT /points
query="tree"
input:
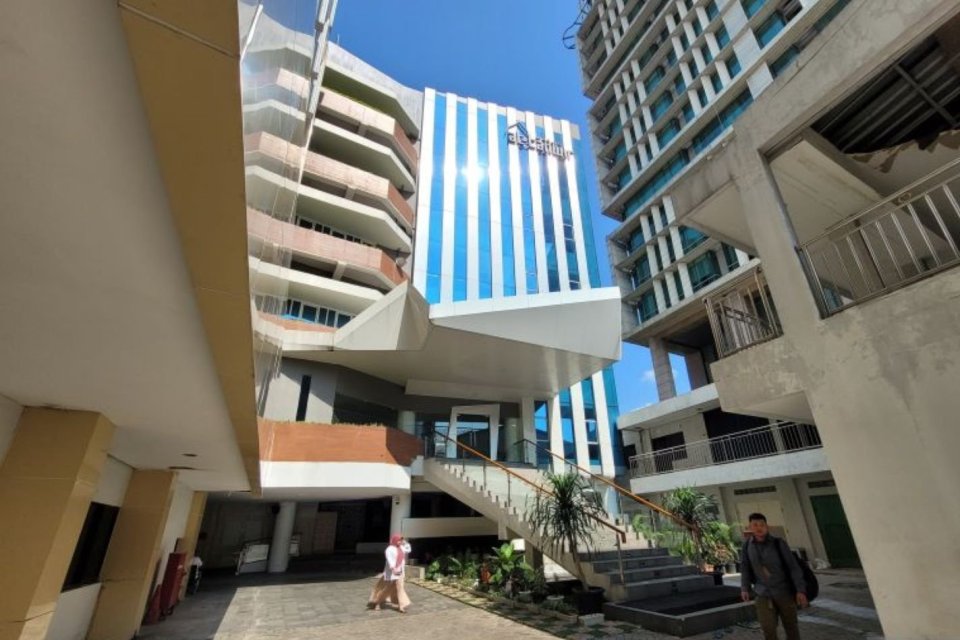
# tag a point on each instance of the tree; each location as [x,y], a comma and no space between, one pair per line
[565,516]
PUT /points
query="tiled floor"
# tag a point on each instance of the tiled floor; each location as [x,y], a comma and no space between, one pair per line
[316,605]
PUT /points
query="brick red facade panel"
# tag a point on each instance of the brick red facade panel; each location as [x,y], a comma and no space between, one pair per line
[316,442]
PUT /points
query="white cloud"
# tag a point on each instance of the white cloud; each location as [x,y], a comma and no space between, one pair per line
[648,376]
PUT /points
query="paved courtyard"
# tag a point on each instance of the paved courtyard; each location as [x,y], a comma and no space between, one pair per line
[307,606]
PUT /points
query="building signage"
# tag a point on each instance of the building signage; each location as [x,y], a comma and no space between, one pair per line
[517,134]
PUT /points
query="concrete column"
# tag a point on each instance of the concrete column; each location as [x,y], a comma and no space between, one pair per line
[282,533]
[556,434]
[582,447]
[399,511]
[132,556]
[47,479]
[662,371]
[192,531]
[407,422]
[529,429]
[696,370]
[607,468]
[513,432]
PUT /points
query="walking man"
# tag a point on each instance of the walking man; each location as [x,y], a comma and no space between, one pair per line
[768,565]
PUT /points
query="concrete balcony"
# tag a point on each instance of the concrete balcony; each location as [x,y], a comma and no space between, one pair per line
[370,123]
[352,183]
[338,143]
[348,259]
[271,279]
[775,450]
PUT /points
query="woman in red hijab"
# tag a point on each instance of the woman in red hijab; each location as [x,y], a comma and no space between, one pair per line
[390,585]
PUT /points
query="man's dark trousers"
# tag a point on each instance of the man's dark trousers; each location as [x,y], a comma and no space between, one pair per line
[782,607]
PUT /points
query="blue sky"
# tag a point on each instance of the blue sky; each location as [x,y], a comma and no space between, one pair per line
[504,51]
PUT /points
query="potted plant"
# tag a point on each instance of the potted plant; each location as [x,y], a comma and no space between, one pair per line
[565,517]
[696,508]
[719,547]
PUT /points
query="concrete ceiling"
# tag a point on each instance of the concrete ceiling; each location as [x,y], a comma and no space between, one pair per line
[98,308]
[494,350]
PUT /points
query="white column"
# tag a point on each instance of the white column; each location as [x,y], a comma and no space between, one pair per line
[473,203]
[607,468]
[513,432]
[282,532]
[519,250]
[399,511]
[449,200]
[556,433]
[685,279]
[407,422]
[496,217]
[536,200]
[422,243]
[579,426]
[572,187]
[529,428]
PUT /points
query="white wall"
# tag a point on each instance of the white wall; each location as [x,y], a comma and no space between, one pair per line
[9,415]
[114,479]
[414,528]
[74,612]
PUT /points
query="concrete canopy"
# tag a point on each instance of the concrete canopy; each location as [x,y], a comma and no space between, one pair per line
[506,349]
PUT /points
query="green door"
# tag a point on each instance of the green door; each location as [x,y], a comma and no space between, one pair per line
[832,523]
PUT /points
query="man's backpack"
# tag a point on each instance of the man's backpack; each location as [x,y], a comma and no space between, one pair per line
[809,577]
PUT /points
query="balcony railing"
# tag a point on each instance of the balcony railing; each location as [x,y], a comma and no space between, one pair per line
[770,440]
[906,237]
[742,314]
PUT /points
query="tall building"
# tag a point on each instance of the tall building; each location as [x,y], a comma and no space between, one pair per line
[841,178]
[669,79]
[271,274]
[482,344]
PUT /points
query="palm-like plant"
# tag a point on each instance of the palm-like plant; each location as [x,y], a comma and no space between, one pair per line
[565,516]
[697,509]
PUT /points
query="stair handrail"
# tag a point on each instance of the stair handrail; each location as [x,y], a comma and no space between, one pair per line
[647,503]
[621,533]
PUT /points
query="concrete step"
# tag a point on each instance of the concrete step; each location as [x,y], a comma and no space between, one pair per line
[603,554]
[666,586]
[635,576]
[606,566]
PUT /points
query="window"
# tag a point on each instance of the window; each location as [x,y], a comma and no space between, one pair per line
[615,127]
[91,547]
[636,239]
[702,94]
[670,251]
[733,65]
[659,256]
[303,399]
[350,410]
[788,56]
[697,29]
[752,7]
[668,133]
[723,38]
[730,257]
[660,106]
[679,284]
[684,41]
[671,57]
[663,218]
[767,31]
[704,270]
[687,111]
[654,79]
[679,84]
[717,125]
[299,310]
[707,54]
[624,178]
[712,11]
[715,81]
[660,179]
[647,307]
[690,238]
[640,272]
[620,151]
[330,231]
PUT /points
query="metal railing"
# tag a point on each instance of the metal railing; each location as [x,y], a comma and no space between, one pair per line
[908,236]
[769,440]
[497,478]
[742,314]
[527,451]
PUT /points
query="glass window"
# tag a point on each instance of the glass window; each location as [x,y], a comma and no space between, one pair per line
[668,133]
[671,57]
[723,38]
[702,94]
[690,238]
[751,7]
[715,81]
[733,65]
[679,284]
[624,178]
[730,257]
[620,151]
[656,252]
[636,239]
[641,271]
[769,29]
[309,313]
[670,251]
[704,270]
[712,10]
[654,79]
[697,29]
[684,40]
[687,111]
[660,106]
[781,63]
[707,55]
[647,307]
[679,84]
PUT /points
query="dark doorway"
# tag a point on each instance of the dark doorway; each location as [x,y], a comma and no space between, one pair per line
[832,523]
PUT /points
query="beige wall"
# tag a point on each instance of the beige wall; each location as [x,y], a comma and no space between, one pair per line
[9,414]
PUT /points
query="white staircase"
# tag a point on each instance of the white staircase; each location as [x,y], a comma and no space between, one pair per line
[631,572]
